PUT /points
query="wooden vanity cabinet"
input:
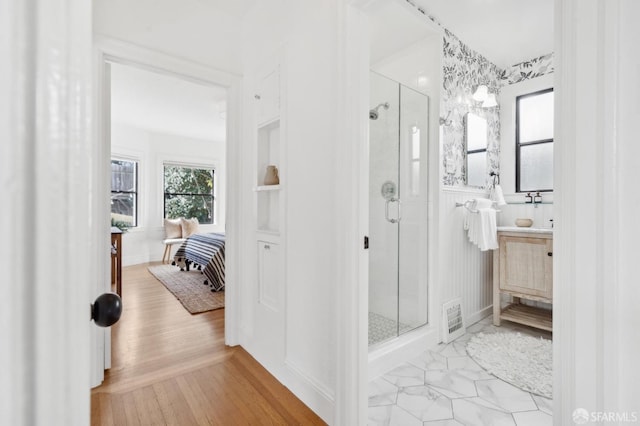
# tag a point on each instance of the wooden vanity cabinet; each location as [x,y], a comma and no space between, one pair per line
[523,268]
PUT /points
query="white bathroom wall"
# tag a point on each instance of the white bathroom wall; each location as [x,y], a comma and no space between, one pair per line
[144,243]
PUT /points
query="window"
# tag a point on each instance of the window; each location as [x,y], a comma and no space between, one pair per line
[534,142]
[124,192]
[188,192]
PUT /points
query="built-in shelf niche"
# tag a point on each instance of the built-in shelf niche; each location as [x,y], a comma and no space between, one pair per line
[268,196]
[268,149]
[269,211]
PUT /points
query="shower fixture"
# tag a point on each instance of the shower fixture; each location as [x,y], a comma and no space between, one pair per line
[373,113]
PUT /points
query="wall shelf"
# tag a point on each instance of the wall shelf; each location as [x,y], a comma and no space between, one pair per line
[267,188]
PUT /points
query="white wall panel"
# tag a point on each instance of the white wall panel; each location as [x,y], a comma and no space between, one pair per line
[465,271]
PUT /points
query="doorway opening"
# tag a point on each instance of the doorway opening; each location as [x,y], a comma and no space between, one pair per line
[167,159]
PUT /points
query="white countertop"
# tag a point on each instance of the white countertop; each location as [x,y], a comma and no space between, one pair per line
[526,230]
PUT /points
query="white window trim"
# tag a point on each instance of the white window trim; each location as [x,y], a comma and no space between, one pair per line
[140,209]
[508,96]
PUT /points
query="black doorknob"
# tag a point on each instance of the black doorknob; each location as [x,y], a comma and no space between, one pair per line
[106,310]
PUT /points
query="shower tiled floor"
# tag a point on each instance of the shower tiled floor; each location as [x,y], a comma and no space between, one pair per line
[382,328]
[445,387]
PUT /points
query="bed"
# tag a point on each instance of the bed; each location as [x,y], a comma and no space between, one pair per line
[205,252]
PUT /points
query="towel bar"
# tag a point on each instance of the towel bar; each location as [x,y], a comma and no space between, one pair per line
[467,205]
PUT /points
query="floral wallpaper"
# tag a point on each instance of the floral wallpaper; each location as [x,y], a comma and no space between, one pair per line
[463,70]
[529,69]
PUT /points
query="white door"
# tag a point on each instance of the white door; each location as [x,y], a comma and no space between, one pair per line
[48,252]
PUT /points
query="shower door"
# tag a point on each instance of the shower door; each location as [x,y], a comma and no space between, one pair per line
[398,127]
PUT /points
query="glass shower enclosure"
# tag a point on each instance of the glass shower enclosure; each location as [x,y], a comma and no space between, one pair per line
[398,135]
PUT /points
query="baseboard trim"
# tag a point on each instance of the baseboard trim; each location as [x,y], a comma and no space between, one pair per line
[310,391]
[477,316]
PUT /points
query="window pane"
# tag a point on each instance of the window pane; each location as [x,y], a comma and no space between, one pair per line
[476,168]
[123,175]
[188,192]
[536,117]
[198,206]
[536,167]
[123,208]
[187,180]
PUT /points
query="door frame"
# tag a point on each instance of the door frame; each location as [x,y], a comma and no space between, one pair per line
[108,50]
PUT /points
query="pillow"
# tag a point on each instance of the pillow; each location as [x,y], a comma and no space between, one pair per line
[189,226]
[172,228]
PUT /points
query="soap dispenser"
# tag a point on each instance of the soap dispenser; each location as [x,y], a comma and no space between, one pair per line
[528,198]
[537,198]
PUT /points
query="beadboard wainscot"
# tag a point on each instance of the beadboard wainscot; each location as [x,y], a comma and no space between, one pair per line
[466,271]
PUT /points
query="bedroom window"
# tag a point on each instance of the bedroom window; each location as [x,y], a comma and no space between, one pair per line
[124,192]
[188,192]
[534,142]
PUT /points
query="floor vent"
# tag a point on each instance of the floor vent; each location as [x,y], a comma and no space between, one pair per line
[452,320]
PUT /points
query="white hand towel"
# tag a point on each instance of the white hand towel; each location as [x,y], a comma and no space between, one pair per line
[481,224]
[488,239]
[497,196]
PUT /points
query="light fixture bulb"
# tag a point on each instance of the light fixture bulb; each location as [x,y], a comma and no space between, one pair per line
[490,101]
[481,93]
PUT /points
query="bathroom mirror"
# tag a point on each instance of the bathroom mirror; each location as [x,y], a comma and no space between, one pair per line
[476,147]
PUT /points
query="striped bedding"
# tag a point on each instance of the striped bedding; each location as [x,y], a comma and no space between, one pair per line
[206,251]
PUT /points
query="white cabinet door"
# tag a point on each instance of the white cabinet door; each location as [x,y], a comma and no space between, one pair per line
[269,275]
[269,309]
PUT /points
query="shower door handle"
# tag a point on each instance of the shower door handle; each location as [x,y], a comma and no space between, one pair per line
[386,210]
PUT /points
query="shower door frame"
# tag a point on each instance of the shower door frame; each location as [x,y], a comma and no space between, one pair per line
[391,159]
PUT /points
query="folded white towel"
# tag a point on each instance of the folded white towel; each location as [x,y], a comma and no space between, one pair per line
[481,203]
[481,226]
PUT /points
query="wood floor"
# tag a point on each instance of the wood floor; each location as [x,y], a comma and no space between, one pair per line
[172,368]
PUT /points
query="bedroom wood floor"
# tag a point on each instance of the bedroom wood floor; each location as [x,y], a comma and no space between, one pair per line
[172,368]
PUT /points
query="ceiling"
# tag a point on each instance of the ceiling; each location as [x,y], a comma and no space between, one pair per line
[167,104]
[504,31]
[393,29]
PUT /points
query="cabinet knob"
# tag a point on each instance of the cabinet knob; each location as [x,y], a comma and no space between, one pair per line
[257,97]
[267,247]
[549,254]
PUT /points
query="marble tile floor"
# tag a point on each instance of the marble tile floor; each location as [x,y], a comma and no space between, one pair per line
[445,387]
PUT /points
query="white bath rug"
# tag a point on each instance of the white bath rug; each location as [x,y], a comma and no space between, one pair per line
[523,361]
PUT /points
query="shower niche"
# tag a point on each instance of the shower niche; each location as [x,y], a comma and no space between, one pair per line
[398,217]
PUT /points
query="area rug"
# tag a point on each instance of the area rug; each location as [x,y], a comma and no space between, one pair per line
[523,361]
[188,288]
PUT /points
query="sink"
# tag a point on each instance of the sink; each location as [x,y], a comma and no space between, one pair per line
[527,230]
